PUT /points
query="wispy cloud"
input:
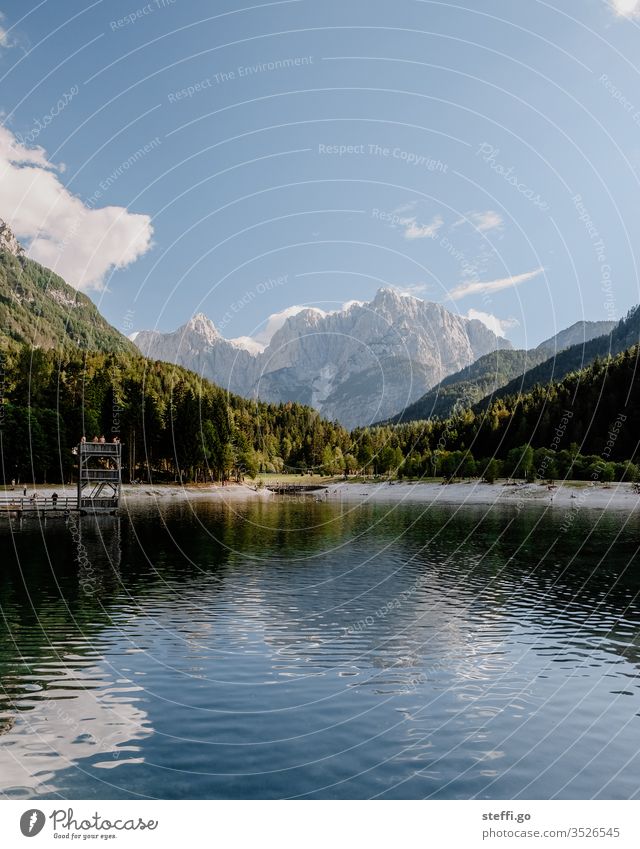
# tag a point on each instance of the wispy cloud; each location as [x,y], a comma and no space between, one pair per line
[412,290]
[415,230]
[626,8]
[482,221]
[6,40]
[80,242]
[493,285]
[498,325]
[408,217]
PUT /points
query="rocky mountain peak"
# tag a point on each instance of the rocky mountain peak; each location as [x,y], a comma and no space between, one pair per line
[390,298]
[8,241]
[201,325]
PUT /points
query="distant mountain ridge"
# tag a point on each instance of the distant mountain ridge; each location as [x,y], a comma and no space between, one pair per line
[625,335]
[576,334]
[355,365]
[489,375]
[38,308]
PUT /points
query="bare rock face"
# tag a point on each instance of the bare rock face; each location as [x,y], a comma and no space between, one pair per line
[198,346]
[8,241]
[356,365]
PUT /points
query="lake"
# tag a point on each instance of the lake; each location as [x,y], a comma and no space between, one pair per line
[313,650]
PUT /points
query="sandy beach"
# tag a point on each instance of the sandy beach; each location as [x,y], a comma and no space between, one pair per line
[617,496]
[571,495]
[132,493]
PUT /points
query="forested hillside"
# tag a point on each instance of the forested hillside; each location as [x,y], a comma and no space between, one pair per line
[65,372]
[623,336]
[471,384]
[173,424]
[586,425]
[38,308]
[507,371]
[176,425]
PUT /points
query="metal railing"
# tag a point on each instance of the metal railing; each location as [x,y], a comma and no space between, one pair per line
[9,505]
[100,447]
[100,474]
[55,505]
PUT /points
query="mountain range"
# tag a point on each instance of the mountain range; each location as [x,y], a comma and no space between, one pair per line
[356,365]
[396,358]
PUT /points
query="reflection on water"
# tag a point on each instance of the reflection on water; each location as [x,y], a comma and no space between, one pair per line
[278,650]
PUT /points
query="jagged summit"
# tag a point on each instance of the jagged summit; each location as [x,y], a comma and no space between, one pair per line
[8,241]
[203,326]
[386,293]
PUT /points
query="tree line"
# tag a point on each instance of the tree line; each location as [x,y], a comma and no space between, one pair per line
[178,426]
[173,424]
[585,426]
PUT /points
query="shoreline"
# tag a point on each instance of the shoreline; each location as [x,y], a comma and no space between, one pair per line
[571,495]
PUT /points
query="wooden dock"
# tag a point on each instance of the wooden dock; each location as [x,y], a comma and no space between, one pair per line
[19,506]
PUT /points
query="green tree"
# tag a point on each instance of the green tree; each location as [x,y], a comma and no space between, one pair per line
[520,462]
[350,464]
[491,470]
[469,466]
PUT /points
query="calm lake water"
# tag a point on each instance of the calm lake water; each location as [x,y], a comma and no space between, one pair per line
[313,650]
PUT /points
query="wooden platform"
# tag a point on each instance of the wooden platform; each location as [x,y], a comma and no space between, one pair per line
[21,505]
[99,477]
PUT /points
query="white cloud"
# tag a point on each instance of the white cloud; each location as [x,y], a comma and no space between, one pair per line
[414,230]
[626,8]
[482,221]
[248,344]
[259,341]
[80,243]
[406,217]
[6,39]
[493,285]
[4,35]
[276,320]
[412,290]
[498,325]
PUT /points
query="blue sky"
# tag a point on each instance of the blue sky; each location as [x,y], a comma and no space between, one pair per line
[177,157]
